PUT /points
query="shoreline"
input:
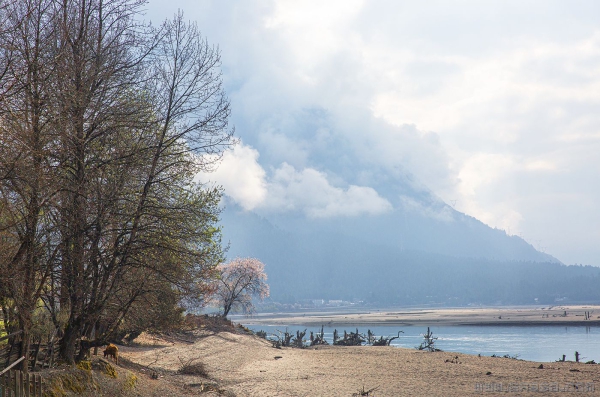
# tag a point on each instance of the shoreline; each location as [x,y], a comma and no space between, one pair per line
[247,365]
[584,316]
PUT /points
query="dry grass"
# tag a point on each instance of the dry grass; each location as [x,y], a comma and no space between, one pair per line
[191,366]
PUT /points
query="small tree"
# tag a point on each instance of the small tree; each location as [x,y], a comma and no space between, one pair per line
[239,281]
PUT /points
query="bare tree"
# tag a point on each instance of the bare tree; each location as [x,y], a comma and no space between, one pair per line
[26,173]
[153,99]
[103,125]
[240,280]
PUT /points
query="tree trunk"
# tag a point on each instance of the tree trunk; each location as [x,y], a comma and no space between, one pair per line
[24,350]
[68,343]
[226,309]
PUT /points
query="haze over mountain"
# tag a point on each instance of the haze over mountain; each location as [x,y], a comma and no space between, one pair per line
[352,222]
[432,227]
[491,105]
[379,260]
[366,124]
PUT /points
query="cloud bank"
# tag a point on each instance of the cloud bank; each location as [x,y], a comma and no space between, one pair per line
[286,189]
[491,105]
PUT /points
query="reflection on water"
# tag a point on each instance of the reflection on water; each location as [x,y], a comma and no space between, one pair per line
[535,343]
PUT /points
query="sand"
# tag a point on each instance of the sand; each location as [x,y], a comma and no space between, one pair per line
[543,315]
[246,365]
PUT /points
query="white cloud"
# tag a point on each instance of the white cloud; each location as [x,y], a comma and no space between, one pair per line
[494,187]
[241,176]
[540,165]
[492,104]
[482,169]
[307,191]
[310,191]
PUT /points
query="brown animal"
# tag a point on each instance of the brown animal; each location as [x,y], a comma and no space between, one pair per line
[112,351]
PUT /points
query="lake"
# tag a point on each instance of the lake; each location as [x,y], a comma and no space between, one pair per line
[534,343]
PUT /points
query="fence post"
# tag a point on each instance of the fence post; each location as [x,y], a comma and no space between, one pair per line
[26,386]
[38,387]
[19,384]
[13,387]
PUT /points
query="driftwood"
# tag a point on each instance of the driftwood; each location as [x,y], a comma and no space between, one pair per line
[319,339]
[261,334]
[363,392]
[429,342]
[298,341]
[383,341]
[351,339]
[284,339]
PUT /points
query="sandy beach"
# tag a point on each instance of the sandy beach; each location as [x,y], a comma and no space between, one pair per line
[535,316]
[246,365]
[240,364]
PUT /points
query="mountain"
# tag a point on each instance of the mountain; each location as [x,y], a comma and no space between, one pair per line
[425,254]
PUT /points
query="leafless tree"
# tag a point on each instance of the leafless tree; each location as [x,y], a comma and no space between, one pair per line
[149,223]
[104,123]
[26,171]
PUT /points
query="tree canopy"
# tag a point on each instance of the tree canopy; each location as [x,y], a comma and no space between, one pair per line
[104,123]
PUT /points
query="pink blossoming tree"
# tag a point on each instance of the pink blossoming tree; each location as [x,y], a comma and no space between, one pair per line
[240,280]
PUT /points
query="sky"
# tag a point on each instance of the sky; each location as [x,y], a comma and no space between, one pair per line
[493,106]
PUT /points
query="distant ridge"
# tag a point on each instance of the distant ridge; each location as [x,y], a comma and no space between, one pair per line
[402,257]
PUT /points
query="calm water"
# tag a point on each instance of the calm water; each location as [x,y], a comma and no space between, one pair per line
[529,343]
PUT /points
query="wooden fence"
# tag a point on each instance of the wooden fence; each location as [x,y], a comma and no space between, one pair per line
[40,355]
[14,383]
[17,384]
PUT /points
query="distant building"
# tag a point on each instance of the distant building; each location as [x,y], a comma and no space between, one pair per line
[318,302]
